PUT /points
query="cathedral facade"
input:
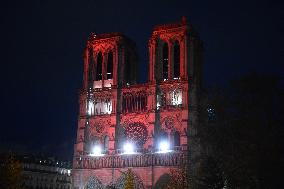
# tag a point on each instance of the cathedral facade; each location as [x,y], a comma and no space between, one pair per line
[143,127]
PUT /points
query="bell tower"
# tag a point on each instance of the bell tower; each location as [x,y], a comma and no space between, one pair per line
[107,60]
[172,52]
[110,63]
[175,67]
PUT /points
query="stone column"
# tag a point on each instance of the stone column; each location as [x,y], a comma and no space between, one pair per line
[121,67]
[185,51]
[152,59]
[128,103]
[111,138]
[182,53]
[86,68]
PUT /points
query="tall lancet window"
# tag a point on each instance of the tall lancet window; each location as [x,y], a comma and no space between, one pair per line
[165,61]
[176,141]
[127,69]
[176,60]
[99,67]
[109,65]
[91,69]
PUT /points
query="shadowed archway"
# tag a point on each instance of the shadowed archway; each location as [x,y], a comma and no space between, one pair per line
[163,182]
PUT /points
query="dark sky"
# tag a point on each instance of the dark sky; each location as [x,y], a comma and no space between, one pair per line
[42,45]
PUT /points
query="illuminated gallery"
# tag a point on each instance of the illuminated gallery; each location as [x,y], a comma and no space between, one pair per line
[145,127]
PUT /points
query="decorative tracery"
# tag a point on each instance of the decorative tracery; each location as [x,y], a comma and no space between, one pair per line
[134,102]
[169,122]
[136,132]
[99,129]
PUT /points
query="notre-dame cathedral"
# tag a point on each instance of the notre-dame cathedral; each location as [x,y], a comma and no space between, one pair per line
[147,127]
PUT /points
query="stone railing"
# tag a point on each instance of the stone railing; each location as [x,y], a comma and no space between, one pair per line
[130,160]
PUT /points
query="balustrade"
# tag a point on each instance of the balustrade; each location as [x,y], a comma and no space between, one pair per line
[134,102]
[133,160]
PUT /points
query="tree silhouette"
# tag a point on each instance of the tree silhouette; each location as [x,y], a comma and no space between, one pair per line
[244,138]
[129,183]
[10,172]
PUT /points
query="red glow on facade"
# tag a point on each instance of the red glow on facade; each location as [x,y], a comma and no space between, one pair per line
[115,109]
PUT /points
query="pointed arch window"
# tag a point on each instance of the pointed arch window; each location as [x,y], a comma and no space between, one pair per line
[91,70]
[127,69]
[165,61]
[99,67]
[176,138]
[176,60]
[109,65]
[164,136]
[106,143]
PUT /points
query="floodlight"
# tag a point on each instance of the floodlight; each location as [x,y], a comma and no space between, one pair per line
[128,148]
[164,147]
[96,151]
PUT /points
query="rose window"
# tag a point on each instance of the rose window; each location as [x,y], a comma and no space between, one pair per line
[136,132]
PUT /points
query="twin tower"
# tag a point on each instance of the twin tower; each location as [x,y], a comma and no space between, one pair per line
[143,127]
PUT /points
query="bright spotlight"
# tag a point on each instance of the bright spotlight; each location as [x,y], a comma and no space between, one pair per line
[128,148]
[96,151]
[164,147]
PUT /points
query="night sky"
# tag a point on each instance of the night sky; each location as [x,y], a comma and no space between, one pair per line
[42,45]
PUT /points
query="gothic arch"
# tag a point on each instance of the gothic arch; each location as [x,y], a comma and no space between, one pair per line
[94,183]
[99,66]
[106,143]
[109,65]
[163,181]
[176,138]
[165,60]
[127,68]
[136,132]
[164,135]
[91,67]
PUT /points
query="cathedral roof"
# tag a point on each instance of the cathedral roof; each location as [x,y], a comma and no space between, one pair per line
[106,35]
[183,22]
